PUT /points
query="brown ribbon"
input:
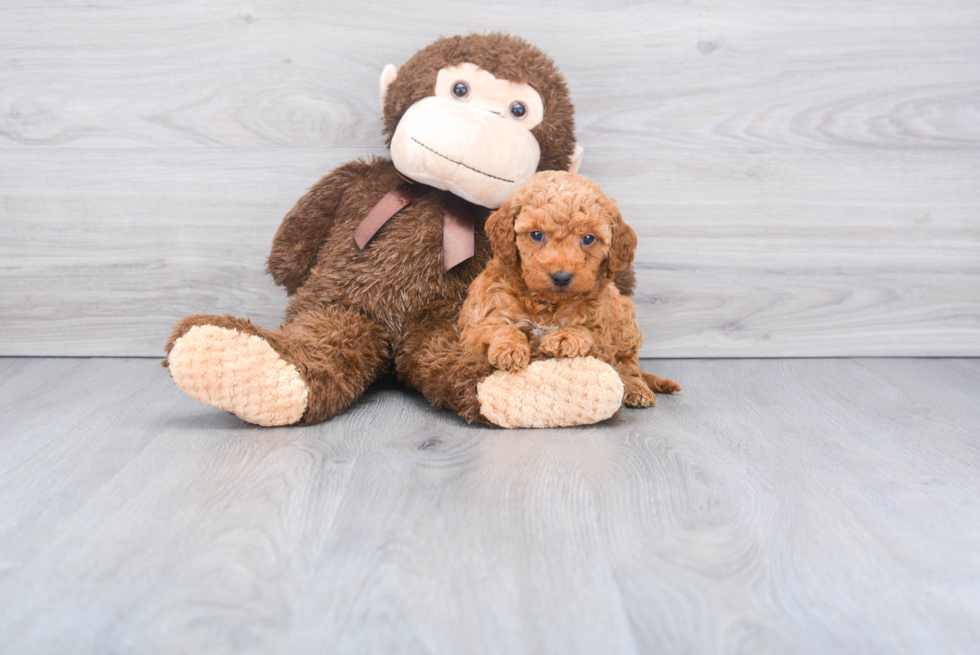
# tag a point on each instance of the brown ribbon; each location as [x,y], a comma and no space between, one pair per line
[388,206]
[457,228]
[457,232]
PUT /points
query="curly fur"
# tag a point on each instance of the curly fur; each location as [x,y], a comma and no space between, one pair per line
[515,313]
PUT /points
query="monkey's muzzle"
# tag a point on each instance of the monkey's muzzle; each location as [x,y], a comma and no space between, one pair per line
[472,152]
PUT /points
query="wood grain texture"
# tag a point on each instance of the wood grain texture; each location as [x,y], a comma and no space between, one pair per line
[105,249]
[803,175]
[805,506]
[713,74]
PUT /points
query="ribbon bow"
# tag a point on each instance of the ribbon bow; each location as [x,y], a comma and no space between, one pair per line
[457,227]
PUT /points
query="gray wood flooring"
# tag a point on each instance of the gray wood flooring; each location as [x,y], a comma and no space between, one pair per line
[780,506]
[802,174]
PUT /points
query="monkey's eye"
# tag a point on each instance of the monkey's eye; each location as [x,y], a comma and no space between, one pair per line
[588,239]
[518,110]
[461,89]
[537,236]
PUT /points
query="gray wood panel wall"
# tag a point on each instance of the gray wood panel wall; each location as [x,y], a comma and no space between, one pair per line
[804,176]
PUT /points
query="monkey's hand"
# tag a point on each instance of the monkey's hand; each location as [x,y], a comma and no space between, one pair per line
[574,341]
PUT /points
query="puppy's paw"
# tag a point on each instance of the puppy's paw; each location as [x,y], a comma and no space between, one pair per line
[509,355]
[567,343]
[661,385]
[638,394]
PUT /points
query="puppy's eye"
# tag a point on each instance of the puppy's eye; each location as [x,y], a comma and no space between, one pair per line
[588,239]
[536,236]
[461,90]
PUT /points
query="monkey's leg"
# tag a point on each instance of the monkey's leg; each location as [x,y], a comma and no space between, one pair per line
[430,358]
[548,393]
[312,367]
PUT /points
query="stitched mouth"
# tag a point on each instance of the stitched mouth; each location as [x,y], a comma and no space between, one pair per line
[459,163]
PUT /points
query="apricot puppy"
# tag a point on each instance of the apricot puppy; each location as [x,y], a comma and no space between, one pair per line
[559,243]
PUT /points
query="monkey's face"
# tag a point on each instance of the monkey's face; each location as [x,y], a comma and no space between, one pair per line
[472,137]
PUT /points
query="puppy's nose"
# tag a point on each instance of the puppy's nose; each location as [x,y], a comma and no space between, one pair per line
[561,278]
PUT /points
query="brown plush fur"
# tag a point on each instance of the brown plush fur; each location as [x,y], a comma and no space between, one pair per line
[515,312]
[351,307]
[356,312]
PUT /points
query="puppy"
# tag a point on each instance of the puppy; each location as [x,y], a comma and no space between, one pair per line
[559,245]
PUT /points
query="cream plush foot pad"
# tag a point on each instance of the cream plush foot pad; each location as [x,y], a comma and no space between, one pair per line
[239,373]
[552,393]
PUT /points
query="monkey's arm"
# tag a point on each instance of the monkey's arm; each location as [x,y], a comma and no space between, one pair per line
[303,230]
[626,281]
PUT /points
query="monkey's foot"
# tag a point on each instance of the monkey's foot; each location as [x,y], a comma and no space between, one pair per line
[239,373]
[552,393]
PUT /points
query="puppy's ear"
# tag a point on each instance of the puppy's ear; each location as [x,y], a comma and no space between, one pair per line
[623,245]
[500,231]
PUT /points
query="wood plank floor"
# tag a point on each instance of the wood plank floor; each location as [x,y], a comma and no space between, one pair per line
[804,506]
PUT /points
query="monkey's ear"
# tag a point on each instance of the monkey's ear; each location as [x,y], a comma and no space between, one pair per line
[388,76]
[576,159]
[500,231]
[623,246]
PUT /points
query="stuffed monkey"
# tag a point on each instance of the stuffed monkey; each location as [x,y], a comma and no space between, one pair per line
[378,256]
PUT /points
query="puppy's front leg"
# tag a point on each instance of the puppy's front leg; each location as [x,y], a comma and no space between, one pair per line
[508,349]
[571,341]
